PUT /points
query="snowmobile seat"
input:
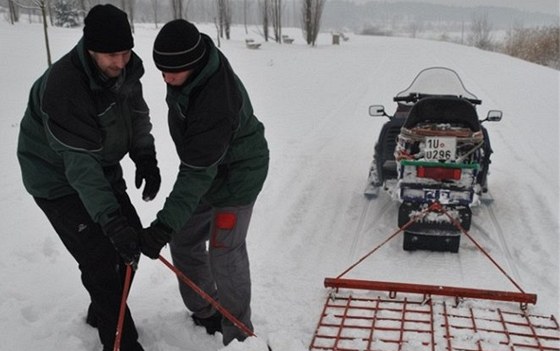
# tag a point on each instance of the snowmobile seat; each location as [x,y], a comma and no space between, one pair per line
[443,109]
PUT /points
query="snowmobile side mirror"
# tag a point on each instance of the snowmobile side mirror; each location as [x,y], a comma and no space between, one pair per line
[377,110]
[494,116]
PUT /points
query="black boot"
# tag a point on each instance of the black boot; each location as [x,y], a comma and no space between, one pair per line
[212,324]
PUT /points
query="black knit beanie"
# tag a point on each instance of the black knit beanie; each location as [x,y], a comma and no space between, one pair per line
[179,47]
[107,30]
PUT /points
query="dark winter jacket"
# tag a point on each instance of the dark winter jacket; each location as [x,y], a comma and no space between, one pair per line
[76,129]
[221,144]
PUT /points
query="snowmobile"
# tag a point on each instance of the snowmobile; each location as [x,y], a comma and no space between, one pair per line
[433,149]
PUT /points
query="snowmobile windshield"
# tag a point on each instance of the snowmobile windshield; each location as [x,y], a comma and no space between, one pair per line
[437,81]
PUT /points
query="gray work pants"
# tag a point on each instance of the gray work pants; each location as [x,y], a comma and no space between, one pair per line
[211,251]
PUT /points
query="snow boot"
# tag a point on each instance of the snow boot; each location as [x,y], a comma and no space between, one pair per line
[212,324]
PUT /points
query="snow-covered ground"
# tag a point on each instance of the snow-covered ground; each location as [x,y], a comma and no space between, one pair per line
[311,220]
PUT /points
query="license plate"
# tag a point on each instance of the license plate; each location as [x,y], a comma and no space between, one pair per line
[440,195]
[440,148]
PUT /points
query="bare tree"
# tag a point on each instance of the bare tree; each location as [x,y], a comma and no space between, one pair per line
[155,11]
[177,9]
[276,15]
[415,27]
[245,9]
[180,9]
[306,19]
[312,11]
[224,18]
[264,7]
[515,40]
[14,11]
[220,19]
[42,5]
[481,32]
[50,14]
[128,7]
[217,30]
[227,18]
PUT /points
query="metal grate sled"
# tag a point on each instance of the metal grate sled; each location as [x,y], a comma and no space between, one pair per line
[363,315]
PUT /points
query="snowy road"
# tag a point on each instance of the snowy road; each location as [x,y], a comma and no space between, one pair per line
[311,220]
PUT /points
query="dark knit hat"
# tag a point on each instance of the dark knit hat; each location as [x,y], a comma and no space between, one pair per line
[179,47]
[107,30]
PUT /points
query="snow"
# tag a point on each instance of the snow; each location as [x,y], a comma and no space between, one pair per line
[311,220]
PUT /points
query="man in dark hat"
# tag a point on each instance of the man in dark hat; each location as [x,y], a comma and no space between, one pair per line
[84,114]
[224,162]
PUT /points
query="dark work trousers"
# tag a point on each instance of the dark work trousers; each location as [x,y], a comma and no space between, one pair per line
[102,269]
[211,250]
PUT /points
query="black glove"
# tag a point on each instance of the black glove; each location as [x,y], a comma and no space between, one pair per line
[147,169]
[154,238]
[125,240]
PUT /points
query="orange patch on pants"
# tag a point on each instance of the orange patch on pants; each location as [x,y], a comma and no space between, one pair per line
[225,220]
[222,221]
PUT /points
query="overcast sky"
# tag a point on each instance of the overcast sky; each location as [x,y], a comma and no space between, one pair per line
[546,6]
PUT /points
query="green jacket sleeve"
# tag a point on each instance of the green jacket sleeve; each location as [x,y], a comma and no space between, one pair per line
[85,175]
[142,139]
[189,188]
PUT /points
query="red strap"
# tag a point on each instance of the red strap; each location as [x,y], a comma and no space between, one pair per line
[226,313]
[120,322]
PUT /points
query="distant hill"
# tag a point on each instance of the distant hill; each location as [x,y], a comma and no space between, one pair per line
[347,14]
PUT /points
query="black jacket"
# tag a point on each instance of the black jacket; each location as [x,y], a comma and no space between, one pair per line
[77,128]
[223,151]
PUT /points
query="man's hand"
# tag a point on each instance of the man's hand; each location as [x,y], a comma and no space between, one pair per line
[153,239]
[125,240]
[148,171]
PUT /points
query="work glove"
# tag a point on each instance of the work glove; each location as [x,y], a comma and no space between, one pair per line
[154,238]
[148,171]
[125,240]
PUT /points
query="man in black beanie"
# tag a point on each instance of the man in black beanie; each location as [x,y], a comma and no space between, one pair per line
[84,114]
[224,163]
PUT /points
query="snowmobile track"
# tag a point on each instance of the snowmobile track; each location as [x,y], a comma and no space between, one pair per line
[502,241]
[370,213]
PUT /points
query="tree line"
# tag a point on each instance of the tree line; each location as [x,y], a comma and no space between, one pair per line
[540,45]
[268,15]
